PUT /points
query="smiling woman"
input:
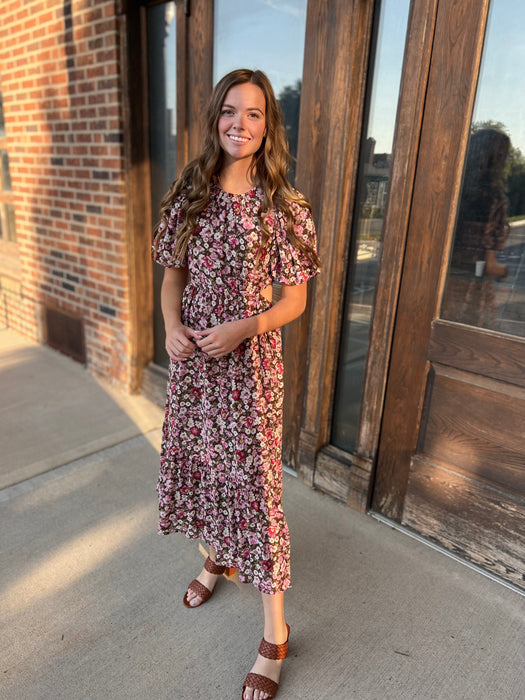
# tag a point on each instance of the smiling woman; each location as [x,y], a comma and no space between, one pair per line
[230,226]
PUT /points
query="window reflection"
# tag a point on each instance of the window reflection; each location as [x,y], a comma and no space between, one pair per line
[482,230]
[162,97]
[6,176]
[485,285]
[7,210]
[372,191]
[2,122]
[268,37]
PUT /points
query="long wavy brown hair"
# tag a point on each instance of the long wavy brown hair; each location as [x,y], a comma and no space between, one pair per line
[269,169]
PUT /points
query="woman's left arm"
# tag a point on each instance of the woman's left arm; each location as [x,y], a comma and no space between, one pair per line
[221,340]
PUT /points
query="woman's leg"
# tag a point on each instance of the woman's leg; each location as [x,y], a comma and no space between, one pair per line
[207,579]
[275,632]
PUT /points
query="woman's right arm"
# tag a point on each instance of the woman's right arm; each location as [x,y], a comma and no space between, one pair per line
[179,345]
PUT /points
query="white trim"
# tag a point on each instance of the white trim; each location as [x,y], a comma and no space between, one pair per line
[289,470]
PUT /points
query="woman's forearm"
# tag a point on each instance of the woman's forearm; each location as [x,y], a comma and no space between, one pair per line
[288,308]
[173,285]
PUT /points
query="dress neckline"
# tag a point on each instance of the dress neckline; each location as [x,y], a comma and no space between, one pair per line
[251,192]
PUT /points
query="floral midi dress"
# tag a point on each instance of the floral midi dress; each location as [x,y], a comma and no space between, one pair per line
[221,476]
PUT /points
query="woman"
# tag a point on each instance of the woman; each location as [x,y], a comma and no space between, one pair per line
[481,232]
[230,225]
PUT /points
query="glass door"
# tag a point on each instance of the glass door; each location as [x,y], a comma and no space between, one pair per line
[366,236]
[162,104]
[451,462]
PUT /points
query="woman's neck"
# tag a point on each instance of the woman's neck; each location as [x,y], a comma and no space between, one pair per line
[236,177]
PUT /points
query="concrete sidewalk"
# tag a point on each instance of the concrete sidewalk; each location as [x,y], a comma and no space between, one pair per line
[91,597]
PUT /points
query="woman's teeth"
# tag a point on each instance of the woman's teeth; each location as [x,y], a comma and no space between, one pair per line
[239,139]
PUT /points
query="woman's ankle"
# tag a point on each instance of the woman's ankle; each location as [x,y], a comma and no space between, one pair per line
[276,633]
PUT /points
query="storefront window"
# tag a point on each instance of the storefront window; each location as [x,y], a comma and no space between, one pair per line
[485,285]
[7,209]
[269,37]
[372,190]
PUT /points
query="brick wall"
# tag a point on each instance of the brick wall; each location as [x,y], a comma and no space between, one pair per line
[59,64]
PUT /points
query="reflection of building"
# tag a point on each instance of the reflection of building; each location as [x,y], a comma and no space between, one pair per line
[376,169]
[171,145]
[434,432]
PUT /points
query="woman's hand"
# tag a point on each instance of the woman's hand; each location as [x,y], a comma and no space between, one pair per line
[221,340]
[179,344]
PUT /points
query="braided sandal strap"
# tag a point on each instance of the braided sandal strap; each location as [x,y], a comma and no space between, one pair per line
[213,568]
[274,651]
[200,589]
[257,682]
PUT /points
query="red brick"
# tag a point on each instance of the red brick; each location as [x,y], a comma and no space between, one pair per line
[62,105]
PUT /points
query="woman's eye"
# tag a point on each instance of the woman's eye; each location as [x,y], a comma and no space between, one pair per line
[255,115]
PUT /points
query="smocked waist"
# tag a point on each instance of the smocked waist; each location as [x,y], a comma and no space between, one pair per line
[223,286]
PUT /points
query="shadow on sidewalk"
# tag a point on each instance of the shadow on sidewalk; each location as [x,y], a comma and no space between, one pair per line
[53,411]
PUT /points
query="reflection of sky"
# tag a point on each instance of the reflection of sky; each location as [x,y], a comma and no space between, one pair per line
[501,94]
[387,73]
[263,34]
[170,59]
[269,34]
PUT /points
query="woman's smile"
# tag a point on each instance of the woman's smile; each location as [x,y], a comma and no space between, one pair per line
[238,139]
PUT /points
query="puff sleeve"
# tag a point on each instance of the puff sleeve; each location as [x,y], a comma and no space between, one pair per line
[288,264]
[164,242]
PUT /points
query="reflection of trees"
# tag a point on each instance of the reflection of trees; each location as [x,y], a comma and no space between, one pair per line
[290,101]
[514,170]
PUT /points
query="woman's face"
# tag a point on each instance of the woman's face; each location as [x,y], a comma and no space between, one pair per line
[242,122]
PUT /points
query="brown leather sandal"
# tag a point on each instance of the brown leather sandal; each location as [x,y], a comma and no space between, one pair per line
[269,651]
[199,588]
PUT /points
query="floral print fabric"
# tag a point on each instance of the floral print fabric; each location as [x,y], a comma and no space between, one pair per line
[221,477]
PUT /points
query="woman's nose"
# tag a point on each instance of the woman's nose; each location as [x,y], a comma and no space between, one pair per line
[239,122]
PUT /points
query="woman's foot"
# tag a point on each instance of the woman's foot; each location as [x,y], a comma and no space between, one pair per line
[267,667]
[263,667]
[201,588]
[208,580]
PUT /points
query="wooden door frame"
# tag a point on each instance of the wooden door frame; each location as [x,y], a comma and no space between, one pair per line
[456,57]
[332,107]
[194,48]
[138,205]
